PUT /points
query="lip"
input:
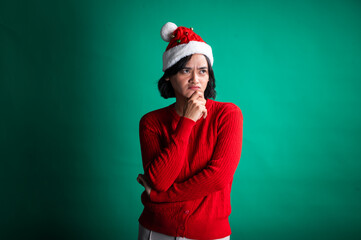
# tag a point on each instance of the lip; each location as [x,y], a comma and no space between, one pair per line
[194,88]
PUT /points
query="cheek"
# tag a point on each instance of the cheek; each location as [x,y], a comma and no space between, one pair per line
[178,85]
[205,83]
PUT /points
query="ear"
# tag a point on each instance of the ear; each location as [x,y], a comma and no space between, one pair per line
[167,79]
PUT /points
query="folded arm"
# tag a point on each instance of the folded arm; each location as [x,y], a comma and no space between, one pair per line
[220,169]
[162,164]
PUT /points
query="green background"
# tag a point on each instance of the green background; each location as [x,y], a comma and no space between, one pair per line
[76,77]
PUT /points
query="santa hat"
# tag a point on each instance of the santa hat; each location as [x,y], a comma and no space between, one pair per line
[182,42]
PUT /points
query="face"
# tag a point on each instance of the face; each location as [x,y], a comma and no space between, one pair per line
[194,76]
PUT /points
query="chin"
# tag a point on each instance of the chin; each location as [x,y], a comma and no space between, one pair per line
[188,95]
[191,91]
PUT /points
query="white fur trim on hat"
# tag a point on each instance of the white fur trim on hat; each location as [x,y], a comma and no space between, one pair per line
[176,53]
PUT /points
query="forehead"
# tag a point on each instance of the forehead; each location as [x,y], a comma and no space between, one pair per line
[197,59]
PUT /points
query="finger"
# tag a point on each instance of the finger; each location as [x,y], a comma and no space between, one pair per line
[191,95]
[202,101]
[196,103]
[144,182]
[140,180]
[205,113]
[195,95]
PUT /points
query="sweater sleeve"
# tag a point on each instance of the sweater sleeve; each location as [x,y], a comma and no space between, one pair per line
[162,164]
[220,169]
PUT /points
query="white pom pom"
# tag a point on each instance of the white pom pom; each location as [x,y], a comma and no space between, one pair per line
[167,30]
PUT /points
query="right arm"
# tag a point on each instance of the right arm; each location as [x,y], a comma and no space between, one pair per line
[162,164]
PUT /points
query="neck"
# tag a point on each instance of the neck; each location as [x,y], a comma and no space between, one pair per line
[179,105]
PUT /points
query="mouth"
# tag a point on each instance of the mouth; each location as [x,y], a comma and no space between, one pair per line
[194,88]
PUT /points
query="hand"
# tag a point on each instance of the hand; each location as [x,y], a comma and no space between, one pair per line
[141,180]
[195,106]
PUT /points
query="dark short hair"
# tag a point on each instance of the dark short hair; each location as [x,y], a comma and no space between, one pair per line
[165,87]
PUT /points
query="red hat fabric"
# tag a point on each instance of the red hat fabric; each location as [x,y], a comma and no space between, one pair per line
[182,42]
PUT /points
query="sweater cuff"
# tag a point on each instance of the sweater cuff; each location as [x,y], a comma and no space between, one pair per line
[184,128]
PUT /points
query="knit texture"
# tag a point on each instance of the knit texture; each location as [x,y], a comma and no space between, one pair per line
[190,167]
[183,35]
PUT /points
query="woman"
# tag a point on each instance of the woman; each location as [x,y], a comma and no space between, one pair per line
[190,149]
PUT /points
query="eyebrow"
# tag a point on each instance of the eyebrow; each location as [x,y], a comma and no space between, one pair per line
[198,68]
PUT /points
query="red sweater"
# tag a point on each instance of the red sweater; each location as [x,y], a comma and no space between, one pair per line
[190,167]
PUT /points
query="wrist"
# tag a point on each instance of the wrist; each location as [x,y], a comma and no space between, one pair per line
[190,118]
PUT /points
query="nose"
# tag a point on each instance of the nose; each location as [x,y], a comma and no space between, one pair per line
[194,78]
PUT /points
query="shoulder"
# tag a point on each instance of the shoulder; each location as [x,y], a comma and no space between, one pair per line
[227,117]
[153,118]
[226,108]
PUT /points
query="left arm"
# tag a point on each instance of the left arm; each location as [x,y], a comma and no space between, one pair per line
[219,170]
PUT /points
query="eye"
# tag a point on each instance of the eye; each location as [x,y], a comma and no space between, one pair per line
[185,71]
[203,71]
